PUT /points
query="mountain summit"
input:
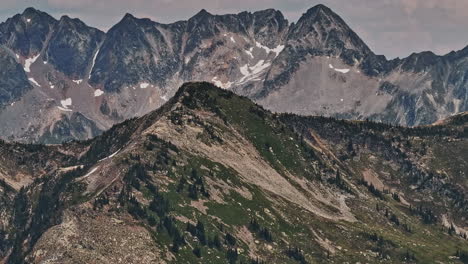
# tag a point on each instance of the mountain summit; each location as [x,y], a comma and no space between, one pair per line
[323,30]
[66,80]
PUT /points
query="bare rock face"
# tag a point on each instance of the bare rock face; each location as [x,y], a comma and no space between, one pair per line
[134,51]
[13,81]
[72,46]
[316,66]
[26,33]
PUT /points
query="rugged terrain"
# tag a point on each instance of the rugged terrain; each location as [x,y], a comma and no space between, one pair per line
[63,80]
[211,177]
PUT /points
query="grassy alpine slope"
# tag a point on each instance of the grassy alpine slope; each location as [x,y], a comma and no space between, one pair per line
[212,177]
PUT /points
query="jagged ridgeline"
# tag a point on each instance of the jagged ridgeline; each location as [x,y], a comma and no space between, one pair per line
[62,79]
[212,177]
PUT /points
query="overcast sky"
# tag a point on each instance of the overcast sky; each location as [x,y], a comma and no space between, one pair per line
[390,27]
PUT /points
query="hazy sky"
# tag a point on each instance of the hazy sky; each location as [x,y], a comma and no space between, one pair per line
[390,27]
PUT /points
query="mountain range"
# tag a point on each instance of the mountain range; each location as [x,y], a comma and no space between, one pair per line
[212,177]
[62,80]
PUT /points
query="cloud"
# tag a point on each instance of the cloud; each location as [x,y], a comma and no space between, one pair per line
[389,27]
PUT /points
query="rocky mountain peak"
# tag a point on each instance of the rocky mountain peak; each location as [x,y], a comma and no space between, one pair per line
[270,14]
[420,61]
[322,29]
[33,18]
[25,33]
[317,65]
[321,14]
[129,54]
[31,12]
[128,17]
[270,26]
[130,23]
[316,11]
[201,15]
[127,21]
[201,19]
[66,19]
[72,46]
[72,23]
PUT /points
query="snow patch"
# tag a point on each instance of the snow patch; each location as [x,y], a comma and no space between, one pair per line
[233,40]
[45,62]
[64,109]
[220,84]
[94,62]
[276,50]
[164,98]
[28,20]
[91,172]
[253,72]
[98,92]
[66,103]
[249,52]
[342,70]
[34,81]
[338,70]
[144,85]
[111,156]
[17,56]
[29,62]
[77,81]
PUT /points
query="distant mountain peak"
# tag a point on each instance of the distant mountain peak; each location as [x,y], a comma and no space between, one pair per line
[203,12]
[31,13]
[30,10]
[66,20]
[201,15]
[128,17]
[320,7]
[126,21]
[268,13]
[323,29]
[26,33]
[322,14]
[138,64]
